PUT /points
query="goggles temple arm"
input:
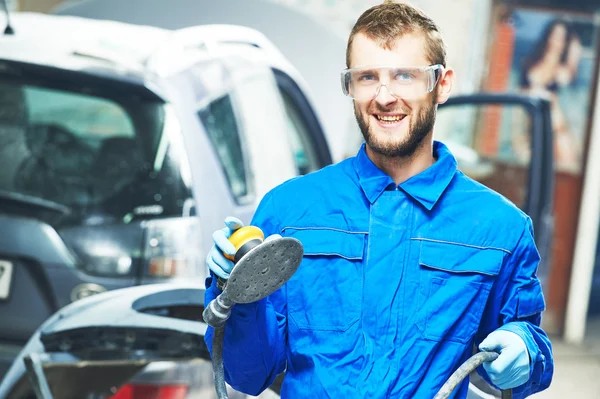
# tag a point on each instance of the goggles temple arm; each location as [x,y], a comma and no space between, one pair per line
[437,74]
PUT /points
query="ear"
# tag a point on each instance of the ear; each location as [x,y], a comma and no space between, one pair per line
[444,86]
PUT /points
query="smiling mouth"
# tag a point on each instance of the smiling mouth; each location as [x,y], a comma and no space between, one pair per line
[390,118]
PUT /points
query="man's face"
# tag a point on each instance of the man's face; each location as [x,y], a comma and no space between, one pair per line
[391,126]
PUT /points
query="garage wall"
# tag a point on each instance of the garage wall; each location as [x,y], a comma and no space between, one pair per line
[36,5]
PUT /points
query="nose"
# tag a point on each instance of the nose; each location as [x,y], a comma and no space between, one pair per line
[385,97]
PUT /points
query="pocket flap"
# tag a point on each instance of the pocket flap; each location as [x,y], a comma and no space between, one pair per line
[530,299]
[460,258]
[324,241]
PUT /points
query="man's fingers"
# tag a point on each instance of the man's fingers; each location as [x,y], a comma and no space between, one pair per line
[496,370]
[511,368]
[490,344]
[222,243]
[496,367]
[510,381]
[233,224]
[490,370]
[225,264]
[216,260]
[216,269]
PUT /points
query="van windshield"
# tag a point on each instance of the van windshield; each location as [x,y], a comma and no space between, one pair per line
[105,158]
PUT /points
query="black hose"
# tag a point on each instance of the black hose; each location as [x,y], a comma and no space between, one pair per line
[217,361]
[464,370]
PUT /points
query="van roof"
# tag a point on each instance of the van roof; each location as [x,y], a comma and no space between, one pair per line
[74,43]
[117,50]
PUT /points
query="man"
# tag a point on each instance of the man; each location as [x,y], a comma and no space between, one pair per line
[409,265]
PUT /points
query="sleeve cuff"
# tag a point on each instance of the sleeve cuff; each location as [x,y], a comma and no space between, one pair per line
[212,291]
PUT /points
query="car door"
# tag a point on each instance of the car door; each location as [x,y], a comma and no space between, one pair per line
[504,141]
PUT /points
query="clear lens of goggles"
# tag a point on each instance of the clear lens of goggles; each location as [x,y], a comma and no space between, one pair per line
[405,83]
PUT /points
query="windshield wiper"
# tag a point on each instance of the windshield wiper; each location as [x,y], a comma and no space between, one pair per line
[33,202]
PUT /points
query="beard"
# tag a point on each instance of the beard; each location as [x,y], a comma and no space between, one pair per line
[420,127]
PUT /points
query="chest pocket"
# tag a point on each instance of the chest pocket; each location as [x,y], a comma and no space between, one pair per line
[455,282]
[326,291]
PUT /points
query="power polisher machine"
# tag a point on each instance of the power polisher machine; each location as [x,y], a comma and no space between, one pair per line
[261,267]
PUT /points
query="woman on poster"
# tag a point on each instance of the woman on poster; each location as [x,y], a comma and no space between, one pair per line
[550,67]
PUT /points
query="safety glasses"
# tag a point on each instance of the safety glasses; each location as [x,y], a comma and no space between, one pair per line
[403,83]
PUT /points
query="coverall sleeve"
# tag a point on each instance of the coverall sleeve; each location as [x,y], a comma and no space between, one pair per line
[256,333]
[518,309]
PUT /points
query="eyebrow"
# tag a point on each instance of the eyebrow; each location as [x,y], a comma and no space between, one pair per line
[375,67]
[366,70]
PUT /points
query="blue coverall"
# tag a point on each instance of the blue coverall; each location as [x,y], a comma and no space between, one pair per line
[397,285]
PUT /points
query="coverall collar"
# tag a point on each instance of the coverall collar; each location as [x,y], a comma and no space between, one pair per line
[426,187]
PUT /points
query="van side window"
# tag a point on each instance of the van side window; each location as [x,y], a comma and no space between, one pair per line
[303,145]
[220,123]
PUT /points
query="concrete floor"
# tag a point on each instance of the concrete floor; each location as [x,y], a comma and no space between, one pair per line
[577,368]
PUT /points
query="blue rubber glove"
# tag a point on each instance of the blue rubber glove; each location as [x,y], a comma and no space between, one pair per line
[511,368]
[215,260]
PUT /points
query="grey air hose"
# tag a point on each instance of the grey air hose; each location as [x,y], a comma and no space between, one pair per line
[464,370]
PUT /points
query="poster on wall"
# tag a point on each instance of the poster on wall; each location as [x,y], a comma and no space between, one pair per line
[555,56]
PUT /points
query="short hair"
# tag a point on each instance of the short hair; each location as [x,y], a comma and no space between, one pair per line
[390,20]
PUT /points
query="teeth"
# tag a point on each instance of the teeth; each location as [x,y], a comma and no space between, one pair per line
[390,118]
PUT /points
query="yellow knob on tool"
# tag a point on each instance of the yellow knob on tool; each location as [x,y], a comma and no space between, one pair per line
[243,239]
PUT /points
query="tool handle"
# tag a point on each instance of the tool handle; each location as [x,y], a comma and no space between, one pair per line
[221,283]
[243,240]
[218,311]
[464,370]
